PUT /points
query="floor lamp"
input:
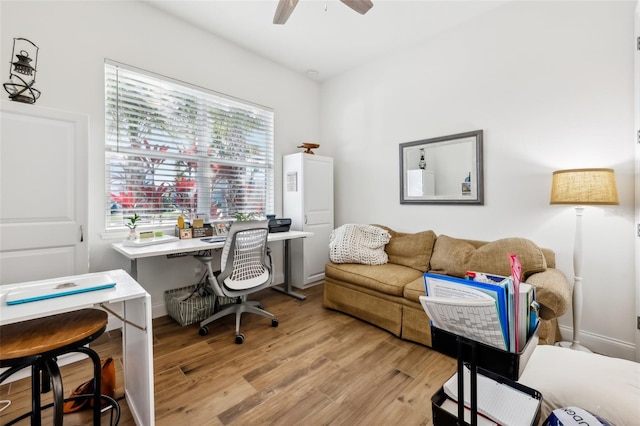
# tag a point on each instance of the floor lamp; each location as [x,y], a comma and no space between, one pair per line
[581,187]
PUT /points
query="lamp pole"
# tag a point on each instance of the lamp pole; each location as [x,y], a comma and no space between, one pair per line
[577,283]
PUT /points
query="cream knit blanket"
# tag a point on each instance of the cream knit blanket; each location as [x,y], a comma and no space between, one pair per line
[364,244]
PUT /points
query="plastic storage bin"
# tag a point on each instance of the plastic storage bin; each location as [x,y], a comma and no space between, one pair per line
[504,363]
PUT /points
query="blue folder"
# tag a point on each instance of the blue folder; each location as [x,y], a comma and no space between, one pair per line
[60,288]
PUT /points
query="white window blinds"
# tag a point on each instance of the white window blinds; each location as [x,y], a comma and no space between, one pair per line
[173,149]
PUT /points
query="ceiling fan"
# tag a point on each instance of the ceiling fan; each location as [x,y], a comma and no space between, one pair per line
[285,7]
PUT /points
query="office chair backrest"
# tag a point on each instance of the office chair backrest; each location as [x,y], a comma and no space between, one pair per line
[243,256]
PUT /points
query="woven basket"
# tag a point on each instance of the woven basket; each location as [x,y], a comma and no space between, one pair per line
[186,306]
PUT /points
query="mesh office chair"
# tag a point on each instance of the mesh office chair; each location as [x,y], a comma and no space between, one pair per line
[244,270]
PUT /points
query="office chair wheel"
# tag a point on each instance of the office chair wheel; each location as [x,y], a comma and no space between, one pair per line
[203,331]
[239,338]
[274,322]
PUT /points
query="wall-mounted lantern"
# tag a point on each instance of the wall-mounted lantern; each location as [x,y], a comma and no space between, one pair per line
[22,75]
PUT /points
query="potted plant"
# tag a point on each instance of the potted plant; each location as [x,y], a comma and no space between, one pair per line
[246,216]
[132,224]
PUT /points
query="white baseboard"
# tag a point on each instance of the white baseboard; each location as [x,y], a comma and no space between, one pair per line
[159,310]
[602,344]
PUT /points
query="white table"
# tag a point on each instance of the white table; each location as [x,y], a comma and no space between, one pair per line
[137,339]
[196,244]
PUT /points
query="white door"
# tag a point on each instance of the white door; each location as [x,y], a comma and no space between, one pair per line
[43,193]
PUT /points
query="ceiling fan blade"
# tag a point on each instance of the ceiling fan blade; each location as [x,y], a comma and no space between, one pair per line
[360,6]
[283,11]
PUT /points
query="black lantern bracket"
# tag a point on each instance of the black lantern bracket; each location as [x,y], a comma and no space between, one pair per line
[22,75]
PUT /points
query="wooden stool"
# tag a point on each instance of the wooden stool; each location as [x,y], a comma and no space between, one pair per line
[38,342]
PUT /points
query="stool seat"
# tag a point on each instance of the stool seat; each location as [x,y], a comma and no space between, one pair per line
[37,344]
[42,335]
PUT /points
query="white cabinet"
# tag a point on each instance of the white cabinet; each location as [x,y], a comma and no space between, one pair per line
[420,183]
[308,202]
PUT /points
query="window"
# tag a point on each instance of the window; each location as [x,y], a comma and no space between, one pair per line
[173,149]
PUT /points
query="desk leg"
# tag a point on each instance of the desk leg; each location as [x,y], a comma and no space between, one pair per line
[287,276]
[137,350]
[134,269]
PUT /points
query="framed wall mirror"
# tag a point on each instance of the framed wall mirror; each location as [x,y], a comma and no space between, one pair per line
[443,170]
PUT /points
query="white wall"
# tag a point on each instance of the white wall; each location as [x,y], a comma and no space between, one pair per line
[551,84]
[75,38]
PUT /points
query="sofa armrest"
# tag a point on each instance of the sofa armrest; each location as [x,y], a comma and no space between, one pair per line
[550,257]
[553,292]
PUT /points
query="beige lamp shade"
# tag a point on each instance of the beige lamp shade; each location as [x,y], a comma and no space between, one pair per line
[584,187]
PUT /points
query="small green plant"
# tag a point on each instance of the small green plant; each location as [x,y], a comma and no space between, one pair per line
[132,221]
[245,216]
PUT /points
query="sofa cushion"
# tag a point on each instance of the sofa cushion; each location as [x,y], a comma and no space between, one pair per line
[388,278]
[549,256]
[452,256]
[411,250]
[363,244]
[414,290]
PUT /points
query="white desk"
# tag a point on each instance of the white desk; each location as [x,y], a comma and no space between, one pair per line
[137,343]
[196,244]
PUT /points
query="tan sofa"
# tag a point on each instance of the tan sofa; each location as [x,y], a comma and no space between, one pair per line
[387,295]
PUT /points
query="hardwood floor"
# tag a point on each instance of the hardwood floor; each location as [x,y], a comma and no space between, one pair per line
[319,367]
